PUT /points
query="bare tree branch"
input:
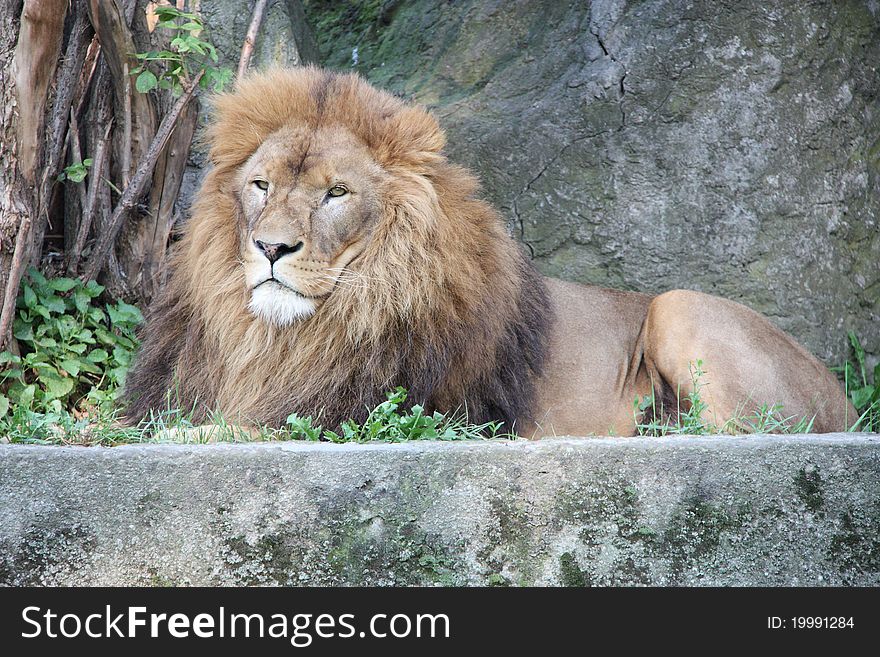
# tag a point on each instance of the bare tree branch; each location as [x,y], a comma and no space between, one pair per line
[65,88]
[96,179]
[88,72]
[126,129]
[134,189]
[111,26]
[73,139]
[251,37]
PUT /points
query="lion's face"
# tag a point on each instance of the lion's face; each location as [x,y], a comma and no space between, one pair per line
[309,202]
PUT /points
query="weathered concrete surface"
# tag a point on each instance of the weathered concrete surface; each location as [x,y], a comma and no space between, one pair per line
[731,147]
[759,510]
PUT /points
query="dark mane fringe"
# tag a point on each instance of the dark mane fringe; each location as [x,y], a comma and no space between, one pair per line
[462,321]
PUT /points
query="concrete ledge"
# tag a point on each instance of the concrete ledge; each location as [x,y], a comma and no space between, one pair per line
[763,510]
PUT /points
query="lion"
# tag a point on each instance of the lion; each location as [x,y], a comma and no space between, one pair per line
[334,253]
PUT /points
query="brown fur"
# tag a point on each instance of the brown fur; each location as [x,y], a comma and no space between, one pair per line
[436,297]
[452,310]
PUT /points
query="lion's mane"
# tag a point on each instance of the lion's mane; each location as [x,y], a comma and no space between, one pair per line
[453,310]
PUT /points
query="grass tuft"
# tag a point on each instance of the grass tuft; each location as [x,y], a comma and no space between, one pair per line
[687,418]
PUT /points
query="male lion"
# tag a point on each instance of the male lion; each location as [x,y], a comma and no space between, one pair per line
[334,253]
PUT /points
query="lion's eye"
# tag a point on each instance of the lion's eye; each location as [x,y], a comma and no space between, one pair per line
[337,190]
[262,185]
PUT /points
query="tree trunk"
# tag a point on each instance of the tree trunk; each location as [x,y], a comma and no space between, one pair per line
[26,70]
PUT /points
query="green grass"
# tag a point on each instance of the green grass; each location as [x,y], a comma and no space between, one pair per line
[687,418]
[388,422]
[862,387]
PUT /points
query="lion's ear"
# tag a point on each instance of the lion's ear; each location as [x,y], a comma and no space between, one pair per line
[415,137]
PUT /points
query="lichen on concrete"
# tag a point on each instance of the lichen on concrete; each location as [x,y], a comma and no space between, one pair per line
[576,512]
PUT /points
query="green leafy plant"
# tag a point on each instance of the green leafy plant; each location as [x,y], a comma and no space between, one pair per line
[76,172]
[74,353]
[862,387]
[388,422]
[187,53]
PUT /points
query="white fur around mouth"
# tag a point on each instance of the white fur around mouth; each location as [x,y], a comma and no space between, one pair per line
[279,305]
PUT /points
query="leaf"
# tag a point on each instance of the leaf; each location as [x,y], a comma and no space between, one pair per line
[196,45]
[93,289]
[145,82]
[117,375]
[860,353]
[4,405]
[37,278]
[128,343]
[91,368]
[78,172]
[121,356]
[55,304]
[26,398]
[98,356]
[861,398]
[24,332]
[96,315]
[30,297]
[105,336]
[58,387]
[70,366]
[14,373]
[127,313]
[62,284]
[81,300]
[86,336]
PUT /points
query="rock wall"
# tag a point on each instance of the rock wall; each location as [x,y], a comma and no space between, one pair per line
[725,146]
[757,511]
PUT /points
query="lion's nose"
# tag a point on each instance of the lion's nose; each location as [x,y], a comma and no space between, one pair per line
[275,250]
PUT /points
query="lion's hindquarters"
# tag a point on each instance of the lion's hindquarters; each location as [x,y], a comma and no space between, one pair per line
[749,374]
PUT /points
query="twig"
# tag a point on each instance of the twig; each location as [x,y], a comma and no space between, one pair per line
[66,78]
[88,210]
[88,72]
[21,247]
[73,137]
[126,126]
[65,86]
[251,38]
[134,189]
